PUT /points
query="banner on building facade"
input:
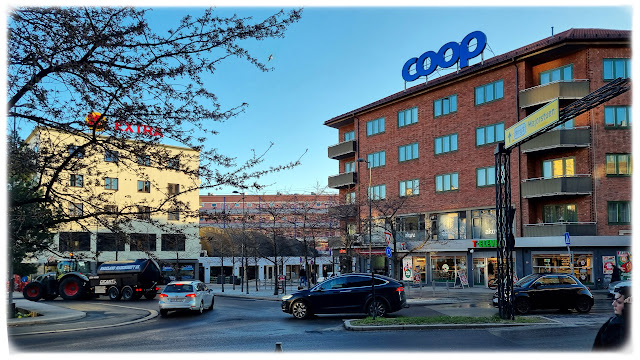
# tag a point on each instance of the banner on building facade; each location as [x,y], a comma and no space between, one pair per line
[407,268]
[624,263]
[608,262]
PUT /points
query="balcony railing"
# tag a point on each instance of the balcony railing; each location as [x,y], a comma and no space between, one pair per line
[343,180]
[559,229]
[540,187]
[554,139]
[342,150]
[542,94]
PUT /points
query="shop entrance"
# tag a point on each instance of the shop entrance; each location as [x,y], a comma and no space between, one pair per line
[484,270]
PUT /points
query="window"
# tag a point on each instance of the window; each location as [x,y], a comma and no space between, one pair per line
[75,151]
[565,125]
[173,242]
[407,117]
[111,209]
[111,156]
[483,224]
[616,68]
[144,186]
[144,160]
[375,160]
[75,209]
[173,163]
[142,242]
[490,134]
[563,73]
[349,166]
[445,106]
[618,164]
[74,241]
[174,214]
[556,168]
[375,126]
[408,152]
[111,183]
[378,192]
[619,212]
[617,116]
[144,212]
[445,144]
[109,242]
[486,176]
[349,135]
[350,198]
[173,189]
[560,213]
[489,92]
[75,180]
[409,187]
[446,182]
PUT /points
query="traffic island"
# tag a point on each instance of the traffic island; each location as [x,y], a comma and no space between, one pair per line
[442,322]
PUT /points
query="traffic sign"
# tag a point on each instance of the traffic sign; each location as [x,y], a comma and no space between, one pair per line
[567,239]
[389,252]
[532,124]
[387,236]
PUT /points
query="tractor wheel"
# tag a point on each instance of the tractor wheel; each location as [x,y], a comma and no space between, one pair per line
[127,293]
[114,293]
[33,291]
[71,288]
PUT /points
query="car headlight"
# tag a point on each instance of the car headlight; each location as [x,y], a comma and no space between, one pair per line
[287,297]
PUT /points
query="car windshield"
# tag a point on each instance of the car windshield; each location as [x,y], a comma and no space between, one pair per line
[525,280]
[177,288]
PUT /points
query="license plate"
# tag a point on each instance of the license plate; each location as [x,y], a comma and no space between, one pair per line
[175,300]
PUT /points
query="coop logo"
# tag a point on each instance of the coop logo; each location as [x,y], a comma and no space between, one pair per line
[458,52]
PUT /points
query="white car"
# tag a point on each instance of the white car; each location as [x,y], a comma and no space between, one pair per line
[614,286]
[186,295]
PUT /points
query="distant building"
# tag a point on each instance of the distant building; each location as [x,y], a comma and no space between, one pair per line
[434,143]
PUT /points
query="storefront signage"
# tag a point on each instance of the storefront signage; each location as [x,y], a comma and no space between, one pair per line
[138,129]
[608,262]
[407,268]
[458,52]
[485,243]
[532,124]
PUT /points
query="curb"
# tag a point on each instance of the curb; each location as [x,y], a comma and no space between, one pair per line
[49,314]
[348,326]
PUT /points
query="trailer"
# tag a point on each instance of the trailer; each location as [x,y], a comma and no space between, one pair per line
[127,280]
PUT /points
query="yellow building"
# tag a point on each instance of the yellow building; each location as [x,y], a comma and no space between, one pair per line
[130,199]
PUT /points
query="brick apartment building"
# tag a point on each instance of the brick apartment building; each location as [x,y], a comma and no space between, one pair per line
[297,216]
[434,144]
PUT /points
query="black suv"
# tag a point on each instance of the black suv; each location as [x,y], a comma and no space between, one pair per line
[549,291]
[349,293]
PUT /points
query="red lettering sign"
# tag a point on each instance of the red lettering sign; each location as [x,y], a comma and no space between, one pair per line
[139,129]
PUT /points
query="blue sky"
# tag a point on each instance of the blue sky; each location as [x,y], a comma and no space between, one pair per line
[336,59]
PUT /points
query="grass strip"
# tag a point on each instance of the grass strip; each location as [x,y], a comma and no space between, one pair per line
[444,319]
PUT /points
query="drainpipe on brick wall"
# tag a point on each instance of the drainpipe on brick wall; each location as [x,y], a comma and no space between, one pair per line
[519,154]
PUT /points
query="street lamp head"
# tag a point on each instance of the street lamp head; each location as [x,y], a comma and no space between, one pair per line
[361,160]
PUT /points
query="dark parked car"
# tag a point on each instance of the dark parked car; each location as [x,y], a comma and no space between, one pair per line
[349,293]
[549,291]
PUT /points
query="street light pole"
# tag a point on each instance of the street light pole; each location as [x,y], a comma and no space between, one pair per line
[373,288]
[245,259]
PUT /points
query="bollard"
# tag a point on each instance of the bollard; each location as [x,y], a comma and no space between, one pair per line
[278,347]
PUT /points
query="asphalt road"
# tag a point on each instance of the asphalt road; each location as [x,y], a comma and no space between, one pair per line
[249,325]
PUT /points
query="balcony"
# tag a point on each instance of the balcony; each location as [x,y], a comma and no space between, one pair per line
[558,229]
[343,180]
[343,211]
[554,139]
[542,94]
[343,150]
[540,187]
